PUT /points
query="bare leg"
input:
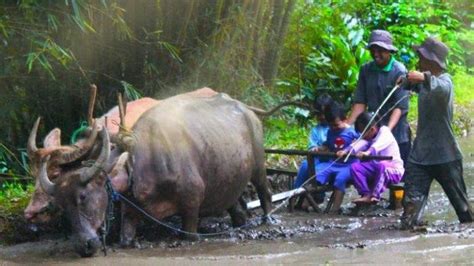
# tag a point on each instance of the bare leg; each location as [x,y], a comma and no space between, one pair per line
[338,197]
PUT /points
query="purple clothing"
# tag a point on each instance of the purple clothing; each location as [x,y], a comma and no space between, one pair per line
[373,177]
[383,144]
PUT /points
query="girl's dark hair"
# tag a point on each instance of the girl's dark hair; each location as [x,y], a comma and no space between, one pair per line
[363,119]
[322,102]
[333,111]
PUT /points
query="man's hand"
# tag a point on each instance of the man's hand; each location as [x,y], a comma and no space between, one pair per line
[362,154]
[401,80]
[415,77]
[314,149]
[341,153]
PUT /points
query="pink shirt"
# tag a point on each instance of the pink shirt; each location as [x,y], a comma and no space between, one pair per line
[383,144]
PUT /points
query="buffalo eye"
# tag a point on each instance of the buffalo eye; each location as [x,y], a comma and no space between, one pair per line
[82,197]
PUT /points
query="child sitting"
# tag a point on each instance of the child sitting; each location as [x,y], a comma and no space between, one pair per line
[340,136]
[317,136]
[371,178]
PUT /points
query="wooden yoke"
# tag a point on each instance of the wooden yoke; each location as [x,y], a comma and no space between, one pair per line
[122,112]
[125,136]
[90,112]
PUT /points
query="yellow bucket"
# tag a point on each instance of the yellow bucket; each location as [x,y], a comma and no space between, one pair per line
[398,194]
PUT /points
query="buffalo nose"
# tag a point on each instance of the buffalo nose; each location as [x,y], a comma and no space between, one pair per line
[89,247]
[28,215]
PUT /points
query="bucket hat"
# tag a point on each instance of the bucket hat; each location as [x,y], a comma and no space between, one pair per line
[382,39]
[433,50]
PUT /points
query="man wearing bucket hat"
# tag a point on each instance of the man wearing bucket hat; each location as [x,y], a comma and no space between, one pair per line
[376,80]
[435,153]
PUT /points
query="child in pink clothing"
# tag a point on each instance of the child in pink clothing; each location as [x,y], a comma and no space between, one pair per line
[371,178]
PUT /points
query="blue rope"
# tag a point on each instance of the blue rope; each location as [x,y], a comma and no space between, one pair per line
[172,227]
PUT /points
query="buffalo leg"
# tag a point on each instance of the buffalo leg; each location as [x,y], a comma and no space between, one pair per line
[130,219]
[260,182]
[190,224]
[237,215]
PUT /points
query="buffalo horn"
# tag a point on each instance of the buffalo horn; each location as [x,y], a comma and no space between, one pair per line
[78,152]
[31,147]
[46,184]
[99,164]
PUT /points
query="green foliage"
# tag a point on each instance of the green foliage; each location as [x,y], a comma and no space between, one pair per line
[9,162]
[410,22]
[130,91]
[464,88]
[330,46]
[281,134]
[14,196]
[328,38]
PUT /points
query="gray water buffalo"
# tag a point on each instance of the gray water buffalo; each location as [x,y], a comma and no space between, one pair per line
[63,158]
[189,156]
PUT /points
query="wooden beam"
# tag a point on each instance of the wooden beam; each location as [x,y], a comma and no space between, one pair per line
[324,154]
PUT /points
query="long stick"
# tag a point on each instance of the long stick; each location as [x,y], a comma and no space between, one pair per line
[372,119]
[325,154]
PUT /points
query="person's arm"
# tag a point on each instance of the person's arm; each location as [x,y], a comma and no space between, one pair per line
[394,118]
[442,85]
[357,109]
[316,138]
[360,97]
[384,140]
[399,101]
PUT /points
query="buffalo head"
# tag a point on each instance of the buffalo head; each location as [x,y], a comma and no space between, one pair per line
[38,208]
[80,193]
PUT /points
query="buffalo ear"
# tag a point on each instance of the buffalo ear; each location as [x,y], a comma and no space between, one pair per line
[53,139]
[119,174]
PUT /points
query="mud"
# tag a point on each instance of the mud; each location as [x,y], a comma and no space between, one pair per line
[358,235]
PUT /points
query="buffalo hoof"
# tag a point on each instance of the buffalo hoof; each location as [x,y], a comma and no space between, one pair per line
[127,243]
[270,220]
[238,222]
[190,237]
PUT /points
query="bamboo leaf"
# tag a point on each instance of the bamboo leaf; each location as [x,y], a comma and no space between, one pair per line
[130,91]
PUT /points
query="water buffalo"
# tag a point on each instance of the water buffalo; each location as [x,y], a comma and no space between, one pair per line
[63,156]
[190,156]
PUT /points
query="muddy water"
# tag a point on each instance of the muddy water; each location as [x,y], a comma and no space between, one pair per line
[299,237]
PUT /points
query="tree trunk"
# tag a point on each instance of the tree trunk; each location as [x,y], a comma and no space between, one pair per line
[276,35]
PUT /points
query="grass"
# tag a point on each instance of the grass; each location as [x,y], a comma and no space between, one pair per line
[14,197]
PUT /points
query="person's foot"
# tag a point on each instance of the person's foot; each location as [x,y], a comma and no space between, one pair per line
[364,199]
[374,200]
